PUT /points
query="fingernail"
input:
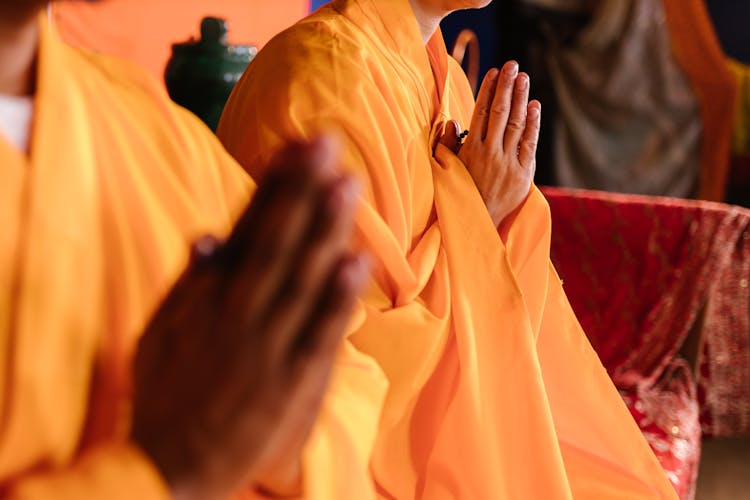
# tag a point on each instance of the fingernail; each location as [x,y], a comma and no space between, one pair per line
[355,271]
[456,127]
[523,82]
[492,74]
[511,69]
[344,194]
[365,266]
[324,152]
[534,110]
[353,187]
[203,250]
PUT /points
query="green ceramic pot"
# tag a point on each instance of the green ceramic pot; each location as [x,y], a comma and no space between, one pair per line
[201,74]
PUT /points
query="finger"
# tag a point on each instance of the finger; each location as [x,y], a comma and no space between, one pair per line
[326,325]
[517,119]
[193,289]
[501,103]
[166,329]
[271,234]
[203,251]
[530,139]
[482,107]
[318,255]
[450,137]
[311,359]
[293,171]
[193,285]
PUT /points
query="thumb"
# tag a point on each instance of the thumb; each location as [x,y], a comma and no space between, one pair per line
[449,138]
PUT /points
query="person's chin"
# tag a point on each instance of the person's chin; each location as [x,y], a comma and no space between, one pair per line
[475,4]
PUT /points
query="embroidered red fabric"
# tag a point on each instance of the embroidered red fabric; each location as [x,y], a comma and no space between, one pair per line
[649,277]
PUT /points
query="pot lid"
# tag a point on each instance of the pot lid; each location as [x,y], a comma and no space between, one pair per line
[213,44]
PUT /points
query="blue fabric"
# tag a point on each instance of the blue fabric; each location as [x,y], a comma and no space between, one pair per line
[318,3]
[484,22]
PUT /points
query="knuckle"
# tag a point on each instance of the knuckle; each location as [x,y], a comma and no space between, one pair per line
[515,123]
[529,145]
[521,87]
[501,109]
[526,164]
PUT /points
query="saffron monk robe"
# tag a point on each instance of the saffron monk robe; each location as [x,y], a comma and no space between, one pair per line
[104,185]
[466,374]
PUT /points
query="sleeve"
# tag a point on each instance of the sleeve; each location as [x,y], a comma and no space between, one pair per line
[220,189]
[335,461]
[113,471]
[298,87]
[198,167]
[213,180]
[336,458]
[584,404]
[600,462]
[195,161]
[293,90]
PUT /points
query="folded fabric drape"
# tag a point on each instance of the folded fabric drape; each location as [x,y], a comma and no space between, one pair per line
[645,275]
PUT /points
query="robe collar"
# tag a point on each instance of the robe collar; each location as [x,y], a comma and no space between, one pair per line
[392,24]
[60,220]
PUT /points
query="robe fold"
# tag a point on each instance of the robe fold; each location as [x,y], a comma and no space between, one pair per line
[97,222]
[465,374]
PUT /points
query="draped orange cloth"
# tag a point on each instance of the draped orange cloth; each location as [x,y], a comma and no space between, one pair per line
[97,221]
[466,374]
[698,50]
[143,31]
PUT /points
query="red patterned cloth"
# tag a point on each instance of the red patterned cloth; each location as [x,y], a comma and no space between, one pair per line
[643,275]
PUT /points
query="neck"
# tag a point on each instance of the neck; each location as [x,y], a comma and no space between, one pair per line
[428,19]
[19,41]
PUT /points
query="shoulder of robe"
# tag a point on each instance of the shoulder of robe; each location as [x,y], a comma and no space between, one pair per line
[321,41]
[319,75]
[126,79]
[323,58]
[131,101]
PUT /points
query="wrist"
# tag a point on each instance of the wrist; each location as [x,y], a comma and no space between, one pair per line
[503,228]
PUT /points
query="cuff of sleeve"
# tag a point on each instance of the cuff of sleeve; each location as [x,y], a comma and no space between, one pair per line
[529,231]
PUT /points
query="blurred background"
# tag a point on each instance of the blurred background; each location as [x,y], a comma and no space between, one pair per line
[640,96]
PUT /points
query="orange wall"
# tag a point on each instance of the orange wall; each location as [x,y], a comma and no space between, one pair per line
[143,30]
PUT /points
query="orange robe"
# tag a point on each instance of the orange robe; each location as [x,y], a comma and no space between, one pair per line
[466,374]
[698,50]
[96,223]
